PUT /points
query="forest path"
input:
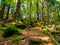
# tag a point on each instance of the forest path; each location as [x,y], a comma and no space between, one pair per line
[34,33]
[37,34]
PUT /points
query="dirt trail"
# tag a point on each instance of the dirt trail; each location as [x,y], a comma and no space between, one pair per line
[31,33]
[37,34]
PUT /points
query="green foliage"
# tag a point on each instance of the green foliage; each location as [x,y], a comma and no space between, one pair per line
[58,29]
[32,24]
[0,26]
[21,25]
[39,24]
[28,23]
[25,21]
[44,30]
[33,41]
[58,40]
[30,10]
[16,40]
[10,31]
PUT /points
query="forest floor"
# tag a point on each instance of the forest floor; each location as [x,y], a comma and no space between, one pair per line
[28,33]
[34,33]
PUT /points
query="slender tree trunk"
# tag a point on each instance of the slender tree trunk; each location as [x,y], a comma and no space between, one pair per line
[44,11]
[58,15]
[48,16]
[8,11]
[30,11]
[17,13]
[12,12]
[37,10]
[2,11]
[27,17]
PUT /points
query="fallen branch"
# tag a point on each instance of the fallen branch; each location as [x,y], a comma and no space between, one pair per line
[53,38]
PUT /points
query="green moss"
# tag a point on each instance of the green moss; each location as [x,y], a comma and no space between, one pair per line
[10,30]
[16,40]
[44,30]
[33,41]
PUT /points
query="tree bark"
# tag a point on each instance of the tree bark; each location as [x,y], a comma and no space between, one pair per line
[12,12]
[2,11]
[30,11]
[8,11]
[44,11]
[17,13]
[37,10]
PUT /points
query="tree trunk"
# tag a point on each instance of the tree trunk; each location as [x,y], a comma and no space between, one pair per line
[30,11]
[37,10]
[2,11]
[27,17]
[8,11]
[17,13]
[12,12]
[44,11]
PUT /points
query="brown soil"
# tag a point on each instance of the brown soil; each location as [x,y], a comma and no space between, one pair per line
[28,33]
